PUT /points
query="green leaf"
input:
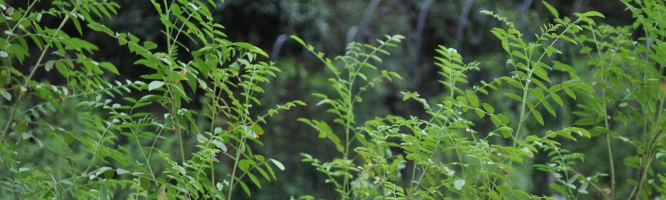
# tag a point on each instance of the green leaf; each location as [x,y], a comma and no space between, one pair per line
[219,144]
[324,101]
[244,165]
[396,75]
[299,40]
[76,22]
[570,93]
[244,186]
[149,45]
[566,134]
[270,170]
[551,9]
[154,85]
[68,138]
[566,38]
[278,164]
[555,88]
[100,27]
[506,131]
[6,95]
[549,107]
[557,98]
[520,55]
[585,50]
[584,86]
[537,93]
[538,83]
[592,13]
[104,192]
[480,113]
[144,182]
[49,65]
[542,74]
[532,138]
[122,171]
[459,184]
[251,47]
[23,169]
[516,158]
[580,131]
[514,83]
[254,180]
[495,121]
[109,174]
[488,108]
[538,116]
[406,95]
[584,122]
[473,100]
[263,173]
[499,33]
[110,67]
[513,96]
[550,50]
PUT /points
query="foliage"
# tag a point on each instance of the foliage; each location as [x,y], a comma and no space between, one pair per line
[99,142]
[480,169]
[227,71]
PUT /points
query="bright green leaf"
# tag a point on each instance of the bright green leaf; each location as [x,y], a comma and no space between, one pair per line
[550,50]
[459,184]
[278,164]
[513,96]
[154,85]
[488,108]
[551,9]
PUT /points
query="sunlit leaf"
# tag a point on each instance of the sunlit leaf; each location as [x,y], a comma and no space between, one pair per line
[278,164]
[551,9]
[459,184]
[154,85]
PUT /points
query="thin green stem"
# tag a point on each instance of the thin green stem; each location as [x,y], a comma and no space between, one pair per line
[607,125]
[32,73]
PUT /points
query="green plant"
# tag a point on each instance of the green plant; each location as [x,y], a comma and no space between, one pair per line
[629,77]
[356,63]
[228,72]
[447,156]
[96,140]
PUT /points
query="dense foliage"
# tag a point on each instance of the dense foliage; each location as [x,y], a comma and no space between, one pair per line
[204,118]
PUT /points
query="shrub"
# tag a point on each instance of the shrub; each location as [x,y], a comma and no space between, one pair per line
[94,140]
[92,164]
[445,156]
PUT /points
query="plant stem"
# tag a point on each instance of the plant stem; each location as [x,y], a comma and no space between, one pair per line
[32,73]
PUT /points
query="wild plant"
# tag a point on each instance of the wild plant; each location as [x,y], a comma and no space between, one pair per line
[228,72]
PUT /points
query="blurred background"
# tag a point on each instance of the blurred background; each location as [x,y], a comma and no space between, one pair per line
[329,25]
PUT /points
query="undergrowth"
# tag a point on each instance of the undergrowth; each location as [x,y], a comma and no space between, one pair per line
[86,125]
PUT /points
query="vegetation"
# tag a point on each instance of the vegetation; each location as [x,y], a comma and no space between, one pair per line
[196,126]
